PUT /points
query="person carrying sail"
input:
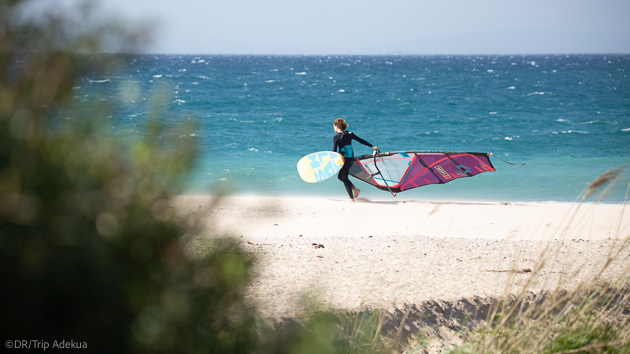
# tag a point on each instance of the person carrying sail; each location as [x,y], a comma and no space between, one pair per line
[342,143]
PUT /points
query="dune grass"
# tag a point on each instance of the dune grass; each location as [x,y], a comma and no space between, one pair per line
[592,317]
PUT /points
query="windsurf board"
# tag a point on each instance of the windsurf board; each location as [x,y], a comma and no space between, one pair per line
[319,166]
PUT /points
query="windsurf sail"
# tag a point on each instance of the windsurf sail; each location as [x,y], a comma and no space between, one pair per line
[403,170]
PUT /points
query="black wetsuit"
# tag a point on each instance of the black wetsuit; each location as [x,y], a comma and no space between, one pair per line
[342,143]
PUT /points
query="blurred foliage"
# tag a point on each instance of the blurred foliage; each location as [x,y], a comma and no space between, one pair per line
[91,249]
[329,332]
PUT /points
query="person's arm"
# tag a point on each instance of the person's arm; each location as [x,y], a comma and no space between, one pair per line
[335,144]
[355,137]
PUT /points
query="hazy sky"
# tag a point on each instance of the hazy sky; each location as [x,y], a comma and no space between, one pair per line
[384,26]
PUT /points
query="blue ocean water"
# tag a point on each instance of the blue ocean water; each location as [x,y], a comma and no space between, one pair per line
[568,116]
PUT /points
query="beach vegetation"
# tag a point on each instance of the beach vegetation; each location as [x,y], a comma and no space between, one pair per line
[592,317]
[90,249]
[587,320]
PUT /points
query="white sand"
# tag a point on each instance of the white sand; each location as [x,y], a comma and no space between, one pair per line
[389,253]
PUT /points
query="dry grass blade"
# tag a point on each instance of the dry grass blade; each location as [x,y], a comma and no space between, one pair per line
[607,178]
[589,317]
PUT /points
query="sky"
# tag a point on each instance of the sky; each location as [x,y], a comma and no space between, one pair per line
[380,26]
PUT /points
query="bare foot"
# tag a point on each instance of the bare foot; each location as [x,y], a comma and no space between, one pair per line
[356,192]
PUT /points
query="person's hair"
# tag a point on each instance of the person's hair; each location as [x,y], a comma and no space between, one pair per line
[341,124]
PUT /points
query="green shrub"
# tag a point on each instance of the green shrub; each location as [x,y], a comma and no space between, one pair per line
[90,249]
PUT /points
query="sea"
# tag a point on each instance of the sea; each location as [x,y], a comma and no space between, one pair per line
[566,116]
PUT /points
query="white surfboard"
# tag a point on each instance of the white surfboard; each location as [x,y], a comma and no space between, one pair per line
[319,166]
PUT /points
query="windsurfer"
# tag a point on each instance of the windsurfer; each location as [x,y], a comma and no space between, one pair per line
[342,143]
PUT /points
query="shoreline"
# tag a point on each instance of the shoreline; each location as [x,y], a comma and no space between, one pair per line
[385,196]
[390,255]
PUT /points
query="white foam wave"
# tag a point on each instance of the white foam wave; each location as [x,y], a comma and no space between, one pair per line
[568,132]
[301,73]
[158,76]
[99,81]
[625,130]
[252,149]
[512,88]
[536,94]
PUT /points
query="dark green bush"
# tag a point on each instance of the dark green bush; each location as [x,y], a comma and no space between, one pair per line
[90,249]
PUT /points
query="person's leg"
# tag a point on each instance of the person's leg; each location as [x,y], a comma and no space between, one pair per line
[356,192]
[343,177]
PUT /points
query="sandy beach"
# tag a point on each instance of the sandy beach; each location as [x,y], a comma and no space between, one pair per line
[395,254]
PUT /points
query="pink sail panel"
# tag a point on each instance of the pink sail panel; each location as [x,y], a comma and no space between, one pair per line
[403,170]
